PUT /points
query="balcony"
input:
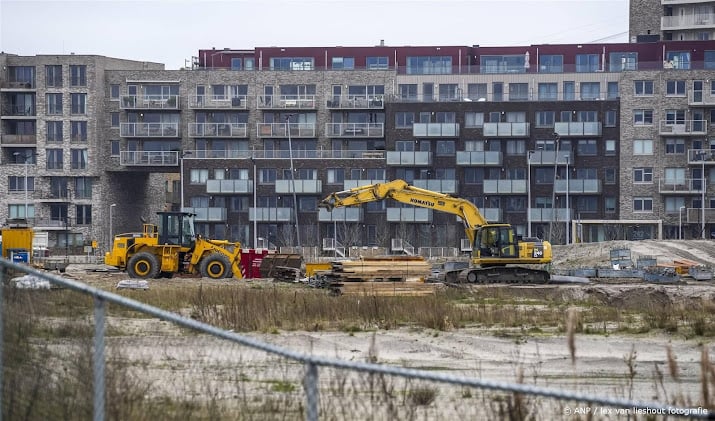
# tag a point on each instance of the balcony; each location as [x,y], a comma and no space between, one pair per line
[51,224]
[578,128]
[301,186]
[286,102]
[297,130]
[229,186]
[704,98]
[207,214]
[505,186]
[350,214]
[226,130]
[351,184]
[695,21]
[149,102]
[701,157]
[693,215]
[435,129]
[579,186]
[409,158]
[549,215]
[19,112]
[683,127]
[270,214]
[442,186]
[354,130]
[506,129]
[17,85]
[54,196]
[18,140]
[356,102]
[149,158]
[165,130]
[549,157]
[680,186]
[416,215]
[213,102]
[470,158]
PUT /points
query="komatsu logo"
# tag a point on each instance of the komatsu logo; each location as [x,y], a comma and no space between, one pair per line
[422,202]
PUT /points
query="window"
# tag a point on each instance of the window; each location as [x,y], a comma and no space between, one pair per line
[673,117]
[54,131]
[619,62]
[407,92]
[404,120]
[609,175]
[643,204]
[675,88]
[449,92]
[569,90]
[53,76]
[474,146]
[115,147]
[78,131]
[709,57]
[515,204]
[610,147]
[83,187]
[590,90]
[643,87]
[544,175]
[548,91]
[609,204]
[78,103]
[17,184]
[198,176]
[376,63]
[335,175]
[307,204]
[267,176]
[114,119]
[587,147]
[54,104]
[610,118]
[612,88]
[673,204]
[643,147]
[474,175]
[675,176]
[518,91]
[476,91]
[78,75]
[343,63]
[674,146]
[54,159]
[516,147]
[643,175]
[84,214]
[586,203]
[18,211]
[473,119]
[551,63]
[445,117]
[503,64]
[545,118]
[235,65]
[291,63]
[678,59]
[587,63]
[114,92]
[642,117]
[445,148]
[78,159]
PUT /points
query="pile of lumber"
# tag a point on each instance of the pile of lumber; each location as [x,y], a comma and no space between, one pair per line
[380,269]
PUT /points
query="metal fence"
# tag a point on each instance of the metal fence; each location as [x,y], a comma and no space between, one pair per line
[63,341]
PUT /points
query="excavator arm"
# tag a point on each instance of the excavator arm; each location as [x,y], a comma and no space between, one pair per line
[402,192]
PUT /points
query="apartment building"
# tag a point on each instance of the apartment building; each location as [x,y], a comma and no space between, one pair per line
[671,20]
[566,142]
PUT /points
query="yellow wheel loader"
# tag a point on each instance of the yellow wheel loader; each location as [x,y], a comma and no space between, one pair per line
[172,246]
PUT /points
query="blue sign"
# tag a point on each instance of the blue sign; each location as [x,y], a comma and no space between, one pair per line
[20,257]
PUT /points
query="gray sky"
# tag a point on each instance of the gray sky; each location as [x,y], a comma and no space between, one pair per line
[171,31]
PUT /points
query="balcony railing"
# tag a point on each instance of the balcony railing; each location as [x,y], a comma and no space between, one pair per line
[490,214]
[683,127]
[409,215]
[506,129]
[19,111]
[298,130]
[694,215]
[680,186]
[469,158]
[149,102]
[505,186]
[149,158]
[351,214]
[207,214]
[697,21]
[18,139]
[55,195]
[300,102]
[149,130]
[301,186]
[579,186]
[706,97]
[50,224]
[229,186]
[218,130]
[548,214]
[270,214]
[442,186]
[548,157]
[356,102]
[353,130]
[578,128]
[435,129]
[701,156]
[236,102]
[351,184]
[409,158]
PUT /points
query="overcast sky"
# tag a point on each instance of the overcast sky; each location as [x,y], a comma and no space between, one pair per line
[171,31]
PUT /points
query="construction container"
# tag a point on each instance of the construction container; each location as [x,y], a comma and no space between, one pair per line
[17,241]
[251,262]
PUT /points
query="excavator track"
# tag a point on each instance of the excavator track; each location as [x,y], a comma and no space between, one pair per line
[503,275]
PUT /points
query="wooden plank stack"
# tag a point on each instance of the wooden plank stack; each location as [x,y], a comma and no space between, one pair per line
[381,269]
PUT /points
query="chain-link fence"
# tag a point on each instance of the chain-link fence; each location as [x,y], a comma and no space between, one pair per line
[71,351]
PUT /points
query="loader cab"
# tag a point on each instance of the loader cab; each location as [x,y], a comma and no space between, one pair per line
[176,228]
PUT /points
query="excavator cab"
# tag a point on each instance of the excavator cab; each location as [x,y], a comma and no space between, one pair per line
[495,241]
[176,229]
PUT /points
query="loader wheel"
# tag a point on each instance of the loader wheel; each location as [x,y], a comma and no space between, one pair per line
[215,266]
[143,265]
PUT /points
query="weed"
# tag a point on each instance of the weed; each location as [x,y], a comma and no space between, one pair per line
[423,396]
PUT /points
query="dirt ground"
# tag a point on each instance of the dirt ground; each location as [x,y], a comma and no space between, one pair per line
[601,360]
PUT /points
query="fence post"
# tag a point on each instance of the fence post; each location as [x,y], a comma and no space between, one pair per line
[310,383]
[98,358]
[2,334]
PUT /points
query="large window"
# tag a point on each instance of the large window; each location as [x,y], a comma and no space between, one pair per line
[643,204]
[518,91]
[622,61]
[675,87]
[18,211]
[54,159]
[84,214]
[404,119]
[549,63]
[643,87]
[472,119]
[674,176]
[643,147]
[376,63]
[678,59]
[78,103]
[548,91]
[642,117]
[569,90]
[407,92]
[709,59]
[17,184]
[54,104]
[590,90]
[503,64]
[675,146]
[53,76]
[587,63]
[291,63]
[587,147]
[78,159]
[429,65]
[78,131]
[54,131]
[83,187]
[343,63]
[545,118]
[476,91]
[78,75]
[643,175]
[198,176]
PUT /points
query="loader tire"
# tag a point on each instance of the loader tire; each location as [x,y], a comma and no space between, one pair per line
[143,265]
[215,266]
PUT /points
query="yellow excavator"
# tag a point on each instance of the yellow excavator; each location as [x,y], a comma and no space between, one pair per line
[172,246]
[494,246]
